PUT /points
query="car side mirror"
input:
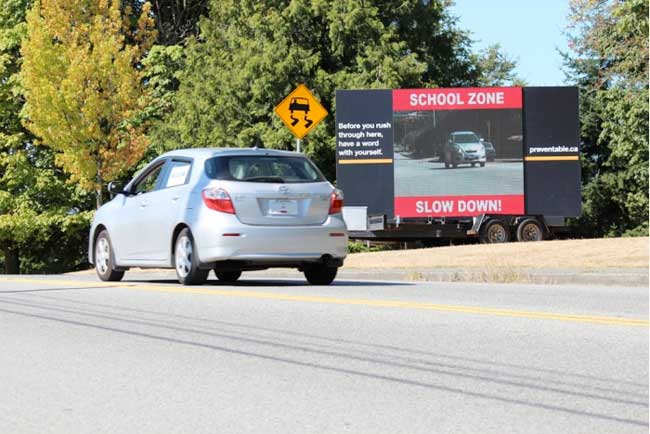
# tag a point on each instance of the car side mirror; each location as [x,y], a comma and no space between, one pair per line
[117,187]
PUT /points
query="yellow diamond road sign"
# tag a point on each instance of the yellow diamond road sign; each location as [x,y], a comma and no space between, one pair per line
[300,111]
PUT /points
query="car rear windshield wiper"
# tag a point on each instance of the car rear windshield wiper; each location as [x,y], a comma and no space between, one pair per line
[272,179]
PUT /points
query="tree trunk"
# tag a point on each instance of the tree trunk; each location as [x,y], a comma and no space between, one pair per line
[99,181]
[98,196]
[12,260]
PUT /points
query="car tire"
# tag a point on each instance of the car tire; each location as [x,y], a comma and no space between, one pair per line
[186,261]
[320,274]
[530,229]
[473,164]
[482,164]
[227,276]
[105,259]
[495,231]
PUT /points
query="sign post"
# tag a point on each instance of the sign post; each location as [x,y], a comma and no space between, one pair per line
[301,112]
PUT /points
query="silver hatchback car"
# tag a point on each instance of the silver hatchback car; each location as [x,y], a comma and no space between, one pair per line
[227,210]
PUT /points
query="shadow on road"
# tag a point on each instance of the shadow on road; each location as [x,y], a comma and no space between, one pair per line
[20,291]
[391,363]
[270,283]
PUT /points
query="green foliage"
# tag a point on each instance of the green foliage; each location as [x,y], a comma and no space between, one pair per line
[162,71]
[39,211]
[250,55]
[361,247]
[609,63]
[497,68]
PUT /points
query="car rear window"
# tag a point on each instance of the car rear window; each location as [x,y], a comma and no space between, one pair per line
[263,168]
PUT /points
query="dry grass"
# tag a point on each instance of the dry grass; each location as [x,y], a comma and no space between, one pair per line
[593,254]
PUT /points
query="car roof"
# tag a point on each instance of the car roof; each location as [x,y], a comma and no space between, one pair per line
[205,153]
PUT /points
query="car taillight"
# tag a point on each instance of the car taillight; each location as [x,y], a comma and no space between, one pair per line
[336,201]
[218,199]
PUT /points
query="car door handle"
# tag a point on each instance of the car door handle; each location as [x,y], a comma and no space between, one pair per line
[175,198]
[143,204]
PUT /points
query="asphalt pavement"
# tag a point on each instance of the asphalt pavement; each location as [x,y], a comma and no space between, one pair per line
[428,177]
[274,355]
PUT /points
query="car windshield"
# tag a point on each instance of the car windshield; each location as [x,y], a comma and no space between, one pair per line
[263,168]
[465,138]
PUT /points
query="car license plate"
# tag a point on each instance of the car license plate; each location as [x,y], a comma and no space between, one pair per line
[283,207]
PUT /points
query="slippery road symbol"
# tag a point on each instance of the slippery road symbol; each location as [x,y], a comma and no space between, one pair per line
[295,120]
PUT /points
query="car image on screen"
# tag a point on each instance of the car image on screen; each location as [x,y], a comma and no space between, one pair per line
[463,147]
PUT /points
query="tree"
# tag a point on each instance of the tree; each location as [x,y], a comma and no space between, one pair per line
[176,20]
[497,68]
[609,63]
[430,31]
[83,85]
[250,55]
[41,227]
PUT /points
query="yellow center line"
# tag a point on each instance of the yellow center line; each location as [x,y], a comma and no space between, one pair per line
[606,320]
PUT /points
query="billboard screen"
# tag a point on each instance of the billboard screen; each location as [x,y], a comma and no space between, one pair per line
[421,153]
[458,152]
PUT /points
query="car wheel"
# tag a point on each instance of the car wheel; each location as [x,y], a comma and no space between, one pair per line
[104,259]
[530,230]
[482,164]
[186,262]
[227,276]
[473,164]
[320,274]
[495,231]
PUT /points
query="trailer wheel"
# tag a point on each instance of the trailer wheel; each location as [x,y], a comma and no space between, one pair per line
[530,230]
[495,231]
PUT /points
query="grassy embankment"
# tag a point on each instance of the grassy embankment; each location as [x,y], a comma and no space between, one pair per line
[512,261]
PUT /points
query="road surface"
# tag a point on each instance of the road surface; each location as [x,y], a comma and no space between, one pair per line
[277,356]
[428,177]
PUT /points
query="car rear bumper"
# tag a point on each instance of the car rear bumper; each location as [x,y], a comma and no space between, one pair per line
[471,159]
[270,245]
